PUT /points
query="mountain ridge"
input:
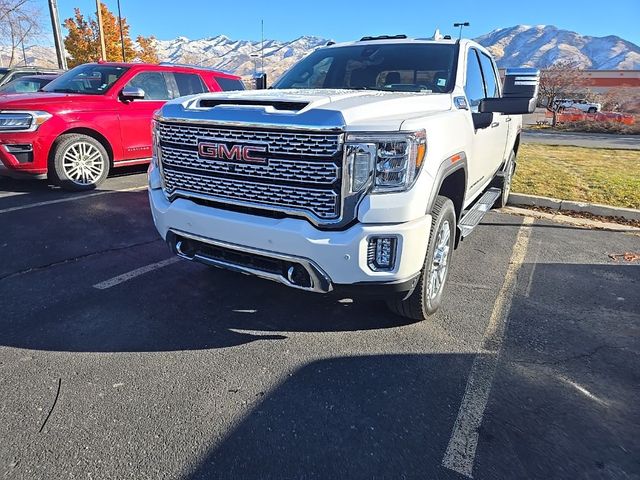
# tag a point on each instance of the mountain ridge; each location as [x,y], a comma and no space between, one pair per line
[520,45]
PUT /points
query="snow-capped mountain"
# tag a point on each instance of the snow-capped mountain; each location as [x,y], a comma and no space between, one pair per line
[543,45]
[239,56]
[522,45]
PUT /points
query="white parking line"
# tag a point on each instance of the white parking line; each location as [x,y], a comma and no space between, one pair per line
[69,199]
[461,451]
[112,282]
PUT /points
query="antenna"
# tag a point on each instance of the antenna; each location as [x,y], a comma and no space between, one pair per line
[460,24]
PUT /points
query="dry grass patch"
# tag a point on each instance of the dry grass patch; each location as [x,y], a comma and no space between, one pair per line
[594,175]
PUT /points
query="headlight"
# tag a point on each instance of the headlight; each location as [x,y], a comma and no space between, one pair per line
[390,162]
[22,121]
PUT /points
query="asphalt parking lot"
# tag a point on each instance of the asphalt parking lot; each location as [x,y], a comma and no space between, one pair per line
[118,362]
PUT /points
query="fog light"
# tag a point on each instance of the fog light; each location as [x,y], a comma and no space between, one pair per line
[381,253]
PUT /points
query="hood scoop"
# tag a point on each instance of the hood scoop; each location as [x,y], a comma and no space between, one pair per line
[276,104]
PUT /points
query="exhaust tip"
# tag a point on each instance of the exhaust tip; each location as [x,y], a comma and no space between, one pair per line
[298,275]
[184,248]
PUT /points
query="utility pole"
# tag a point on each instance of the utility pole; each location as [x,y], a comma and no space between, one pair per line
[57,36]
[124,56]
[103,50]
[262,47]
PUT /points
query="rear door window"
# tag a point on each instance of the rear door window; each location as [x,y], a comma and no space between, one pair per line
[189,84]
[228,84]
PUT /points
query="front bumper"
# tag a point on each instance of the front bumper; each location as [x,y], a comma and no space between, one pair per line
[14,160]
[337,257]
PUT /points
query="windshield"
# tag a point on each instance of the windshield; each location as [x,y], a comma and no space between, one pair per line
[391,67]
[88,79]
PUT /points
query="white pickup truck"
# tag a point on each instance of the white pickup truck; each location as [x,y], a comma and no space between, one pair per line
[359,171]
[582,105]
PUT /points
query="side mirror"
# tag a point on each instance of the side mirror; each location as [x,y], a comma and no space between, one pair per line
[129,94]
[520,93]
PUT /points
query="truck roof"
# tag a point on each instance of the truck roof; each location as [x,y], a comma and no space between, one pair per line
[397,39]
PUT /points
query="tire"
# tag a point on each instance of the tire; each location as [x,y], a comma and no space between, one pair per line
[424,301]
[507,179]
[78,162]
[592,110]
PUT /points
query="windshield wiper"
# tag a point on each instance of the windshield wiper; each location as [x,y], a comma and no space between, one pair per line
[62,90]
[362,88]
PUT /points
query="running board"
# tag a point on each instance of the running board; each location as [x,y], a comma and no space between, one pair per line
[474,215]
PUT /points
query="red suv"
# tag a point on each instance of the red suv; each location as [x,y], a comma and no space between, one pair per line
[92,118]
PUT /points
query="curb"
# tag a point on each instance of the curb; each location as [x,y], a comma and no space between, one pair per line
[521,199]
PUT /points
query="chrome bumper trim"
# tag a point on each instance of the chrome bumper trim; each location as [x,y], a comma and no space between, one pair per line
[320,281]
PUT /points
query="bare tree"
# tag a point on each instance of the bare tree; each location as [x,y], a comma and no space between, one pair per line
[618,99]
[20,21]
[560,79]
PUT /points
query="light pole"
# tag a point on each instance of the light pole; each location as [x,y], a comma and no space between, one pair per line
[124,56]
[461,24]
[57,36]
[103,50]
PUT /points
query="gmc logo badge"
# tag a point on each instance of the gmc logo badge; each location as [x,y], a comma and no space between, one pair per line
[233,151]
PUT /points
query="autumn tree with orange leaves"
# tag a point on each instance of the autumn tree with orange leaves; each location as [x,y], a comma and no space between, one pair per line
[83,44]
[147,51]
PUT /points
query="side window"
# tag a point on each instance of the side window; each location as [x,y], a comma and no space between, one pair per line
[474,86]
[27,86]
[189,84]
[228,84]
[153,84]
[489,74]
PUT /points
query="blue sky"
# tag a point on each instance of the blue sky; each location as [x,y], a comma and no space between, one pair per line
[352,19]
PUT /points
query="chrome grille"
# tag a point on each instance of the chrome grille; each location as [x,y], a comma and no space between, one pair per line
[280,142]
[275,169]
[323,203]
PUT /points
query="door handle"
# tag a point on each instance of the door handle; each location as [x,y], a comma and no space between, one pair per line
[495,124]
[508,119]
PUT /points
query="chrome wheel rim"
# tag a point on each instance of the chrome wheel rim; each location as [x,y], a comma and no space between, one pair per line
[440,260]
[83,163]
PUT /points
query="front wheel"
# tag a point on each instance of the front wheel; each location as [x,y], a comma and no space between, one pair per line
[428,293]
[592,110]
[79,162]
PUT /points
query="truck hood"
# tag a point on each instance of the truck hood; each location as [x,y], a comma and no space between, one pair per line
[321,108]
[45,100]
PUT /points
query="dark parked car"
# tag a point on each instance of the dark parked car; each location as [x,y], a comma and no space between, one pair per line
[27,84]
[9,74]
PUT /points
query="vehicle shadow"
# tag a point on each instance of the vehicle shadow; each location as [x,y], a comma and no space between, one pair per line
[15,192]
[391,416]
[196,307]
[563,400]
[372,416]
